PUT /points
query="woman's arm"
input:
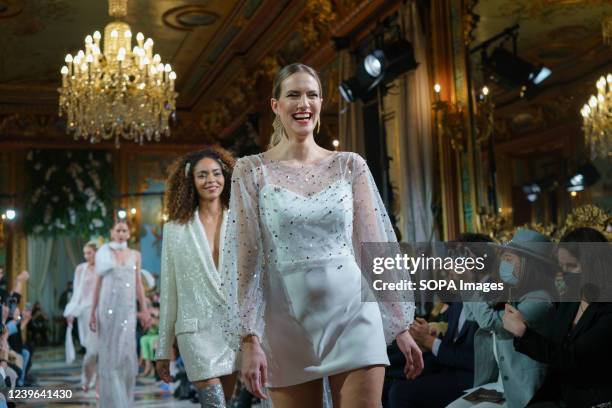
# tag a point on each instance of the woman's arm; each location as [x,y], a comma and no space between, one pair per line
[94,306]
[140,295]
[589,349]
[168,296]
[72,307]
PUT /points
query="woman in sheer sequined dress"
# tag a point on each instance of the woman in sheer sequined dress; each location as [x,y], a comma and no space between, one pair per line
[113,318]
[298,216]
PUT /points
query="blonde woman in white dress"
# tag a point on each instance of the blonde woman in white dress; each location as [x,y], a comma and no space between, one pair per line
[79,307]
[193,304]
[113,318]
[298,216]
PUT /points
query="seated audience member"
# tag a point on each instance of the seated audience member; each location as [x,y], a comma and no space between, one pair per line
[578,350]
[449,364]
[148,342]
[449,361]
[38,325]
[497,366]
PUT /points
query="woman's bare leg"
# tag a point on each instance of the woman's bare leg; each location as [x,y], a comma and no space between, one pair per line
[229,383]
[307,395]
[361,388]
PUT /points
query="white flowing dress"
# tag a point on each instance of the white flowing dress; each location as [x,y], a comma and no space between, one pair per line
[80,307]
[116,314]
[293,240]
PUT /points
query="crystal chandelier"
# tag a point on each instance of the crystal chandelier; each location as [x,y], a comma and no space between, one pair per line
[118,91]
[597,119]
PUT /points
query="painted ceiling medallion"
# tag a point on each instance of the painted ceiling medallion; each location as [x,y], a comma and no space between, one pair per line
[189,17]
[10,8]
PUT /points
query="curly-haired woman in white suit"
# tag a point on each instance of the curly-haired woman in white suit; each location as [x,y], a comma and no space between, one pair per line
[193,299]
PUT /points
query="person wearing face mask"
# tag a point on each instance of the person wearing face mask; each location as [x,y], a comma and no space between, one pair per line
[113,317]
[527,269]
[568,255]
[577,350]
[193,297]
[298,217]
[79,307]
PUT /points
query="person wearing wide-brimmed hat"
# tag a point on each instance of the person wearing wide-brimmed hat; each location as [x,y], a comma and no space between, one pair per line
[527,268]
[577,350]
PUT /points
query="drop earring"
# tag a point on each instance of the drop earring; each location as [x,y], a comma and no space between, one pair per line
[278,125]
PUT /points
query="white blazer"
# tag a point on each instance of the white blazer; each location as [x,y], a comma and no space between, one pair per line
[193,301]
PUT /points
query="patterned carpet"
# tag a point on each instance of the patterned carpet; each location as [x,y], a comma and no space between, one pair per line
[51,372]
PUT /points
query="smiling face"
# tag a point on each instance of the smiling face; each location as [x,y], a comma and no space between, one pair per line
[120,232]
[298,105]
[208,179]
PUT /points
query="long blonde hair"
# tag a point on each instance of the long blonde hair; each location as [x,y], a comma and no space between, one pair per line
[284,73]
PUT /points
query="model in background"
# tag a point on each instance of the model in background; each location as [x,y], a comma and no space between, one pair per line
[113,317]
[79,307]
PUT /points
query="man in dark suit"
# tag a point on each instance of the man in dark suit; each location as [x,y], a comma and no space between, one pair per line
[449,364]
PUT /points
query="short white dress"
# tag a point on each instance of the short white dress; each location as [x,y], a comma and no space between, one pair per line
[293,239]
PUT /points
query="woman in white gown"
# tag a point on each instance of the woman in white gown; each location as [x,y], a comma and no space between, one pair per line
[298,216]
[113,317]
[193,297]
[79,307]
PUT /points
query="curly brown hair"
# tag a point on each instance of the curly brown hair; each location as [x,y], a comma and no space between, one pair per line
[181,197]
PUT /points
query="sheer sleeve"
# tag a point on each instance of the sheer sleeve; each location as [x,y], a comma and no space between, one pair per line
[243,257]
[73,306]
[371,224]
[168,297]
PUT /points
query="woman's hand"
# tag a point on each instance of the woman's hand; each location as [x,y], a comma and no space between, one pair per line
[69,320]
[414,357]
[514,321]
[93,324]
[421,333]
[163,369]
[254,367]
[145,319]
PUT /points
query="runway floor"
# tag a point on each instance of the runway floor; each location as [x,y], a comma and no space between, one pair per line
[52,373]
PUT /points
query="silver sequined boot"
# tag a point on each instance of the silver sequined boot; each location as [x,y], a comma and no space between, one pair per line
[212,396]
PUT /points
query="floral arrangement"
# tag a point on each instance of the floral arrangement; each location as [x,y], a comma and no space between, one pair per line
[69,193]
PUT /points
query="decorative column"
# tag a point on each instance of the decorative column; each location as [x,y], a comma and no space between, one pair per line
[452,111]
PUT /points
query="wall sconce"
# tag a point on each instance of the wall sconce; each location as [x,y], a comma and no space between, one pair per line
[484,116]
[7,216]
[449,120]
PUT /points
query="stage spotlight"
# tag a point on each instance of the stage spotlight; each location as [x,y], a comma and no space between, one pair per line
[380,65]
[399,57]
[532,191]
[585,176]
[509,69]
[10,214]
[369,74]
[373,63]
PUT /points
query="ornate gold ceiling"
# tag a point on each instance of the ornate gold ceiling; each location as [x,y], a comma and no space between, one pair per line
[221,50]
